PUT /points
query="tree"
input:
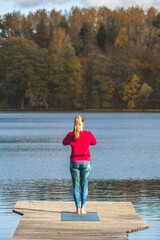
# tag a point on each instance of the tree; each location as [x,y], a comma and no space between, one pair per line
[40,37]
[76,20]
[101,36]
[69,82]
[111,31]
[128,38]
[1,27]
[121,38]
[42,28]
[85,33]
[26,70]
[36,18]
[151,14]
[14,24]
[144,94]
[156,21]
[119,70]
[55,19]
[41,40]
[15,70]
[59,38]
[28,33]
[64,24]
[104,13]
[135,16]
[42,75]
[102,86]
[130,92]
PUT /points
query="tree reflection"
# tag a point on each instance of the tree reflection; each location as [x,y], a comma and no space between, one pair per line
[136,191]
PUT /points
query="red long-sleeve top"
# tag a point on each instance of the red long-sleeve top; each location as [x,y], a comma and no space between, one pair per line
[80,147]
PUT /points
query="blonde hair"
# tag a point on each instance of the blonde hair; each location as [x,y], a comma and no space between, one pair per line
[78,125]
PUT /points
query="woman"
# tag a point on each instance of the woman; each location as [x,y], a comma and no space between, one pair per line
[80,165]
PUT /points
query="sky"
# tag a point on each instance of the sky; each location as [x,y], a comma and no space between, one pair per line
[26,6]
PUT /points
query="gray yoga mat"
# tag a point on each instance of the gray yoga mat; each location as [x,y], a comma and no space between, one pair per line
[71,216]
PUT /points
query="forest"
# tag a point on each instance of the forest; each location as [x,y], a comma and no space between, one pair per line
[90,58]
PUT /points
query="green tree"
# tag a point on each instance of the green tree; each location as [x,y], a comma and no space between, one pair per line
[119,70]
[85,33]
[15,71]
[68,79]
[25,70]
[144,94]
[102,86]
[42,28]
[28,30]
[156,21]
[40,37]
[101,36]
[38,85]
[64,24]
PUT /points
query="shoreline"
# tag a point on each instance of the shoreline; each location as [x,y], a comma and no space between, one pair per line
[82,110]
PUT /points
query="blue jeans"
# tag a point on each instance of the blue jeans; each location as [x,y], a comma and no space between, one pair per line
[80,172]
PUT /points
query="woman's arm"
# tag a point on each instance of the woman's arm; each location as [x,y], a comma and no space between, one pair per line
[93,140]
[66,140]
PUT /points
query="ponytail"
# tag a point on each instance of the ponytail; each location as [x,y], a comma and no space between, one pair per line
[78,125]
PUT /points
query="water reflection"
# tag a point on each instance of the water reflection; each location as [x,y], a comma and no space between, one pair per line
[108,190]
[144,194]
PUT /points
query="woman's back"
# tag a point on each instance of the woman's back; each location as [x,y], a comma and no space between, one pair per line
[80,146]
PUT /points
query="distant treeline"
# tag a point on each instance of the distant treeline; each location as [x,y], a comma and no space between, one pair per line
[86,58]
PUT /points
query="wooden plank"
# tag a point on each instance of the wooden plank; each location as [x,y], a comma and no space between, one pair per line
[42,220]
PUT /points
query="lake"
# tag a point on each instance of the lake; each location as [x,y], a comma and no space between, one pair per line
[125,163]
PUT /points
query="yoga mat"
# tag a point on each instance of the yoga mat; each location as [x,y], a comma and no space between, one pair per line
[71,216]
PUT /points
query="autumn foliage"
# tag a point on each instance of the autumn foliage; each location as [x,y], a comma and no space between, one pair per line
[87,58]
[130,92]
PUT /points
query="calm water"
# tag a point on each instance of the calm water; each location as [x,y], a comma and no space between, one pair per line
[34,165]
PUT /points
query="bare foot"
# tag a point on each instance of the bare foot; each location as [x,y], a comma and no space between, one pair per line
[82,211]
[77,211]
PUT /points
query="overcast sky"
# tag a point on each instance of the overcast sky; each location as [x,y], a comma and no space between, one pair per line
[26,6]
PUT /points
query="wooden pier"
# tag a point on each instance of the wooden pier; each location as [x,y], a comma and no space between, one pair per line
[42,220]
